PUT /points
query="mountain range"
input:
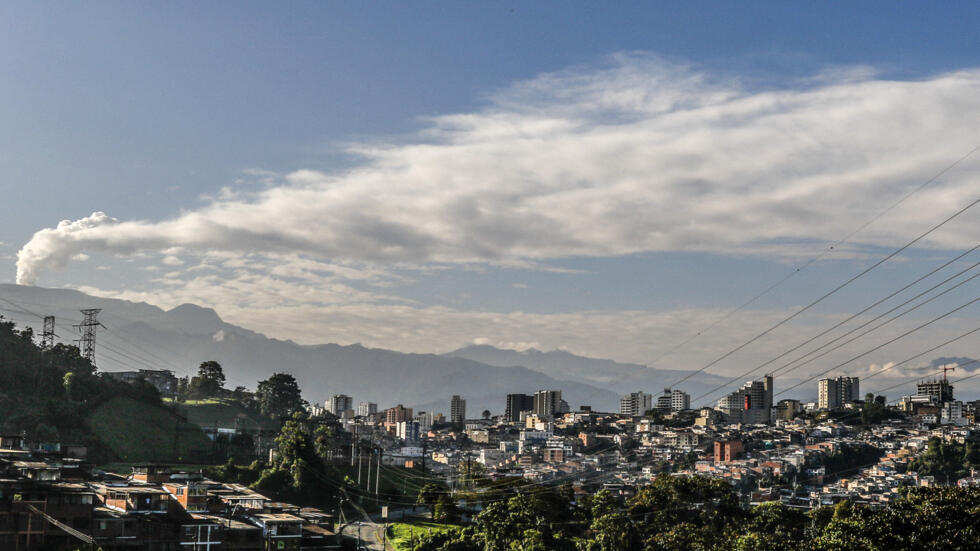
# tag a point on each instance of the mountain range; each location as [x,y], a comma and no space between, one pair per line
[142,336]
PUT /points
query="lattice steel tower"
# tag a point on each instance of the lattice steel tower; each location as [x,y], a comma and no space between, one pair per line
[47,337]
[87,328]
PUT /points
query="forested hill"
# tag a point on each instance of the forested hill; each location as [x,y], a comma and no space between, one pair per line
[48,395]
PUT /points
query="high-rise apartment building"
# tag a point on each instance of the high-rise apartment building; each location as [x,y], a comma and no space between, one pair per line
[365,409]
[339,403]
[828,394]
[835,393]
[457,410]
[408,431]
[679,400]
[673,400]
[751,404]
[635,404]
[547,403]
[424,419]
[516,403]
[398,414]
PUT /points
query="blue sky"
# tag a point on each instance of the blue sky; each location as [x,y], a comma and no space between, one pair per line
[607,178]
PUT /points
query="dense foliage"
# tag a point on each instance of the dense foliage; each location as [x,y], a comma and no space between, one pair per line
[947,461]
[47,394]
[279,396]
[679,513]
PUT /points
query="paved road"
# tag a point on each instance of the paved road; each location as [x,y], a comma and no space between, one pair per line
[372,535]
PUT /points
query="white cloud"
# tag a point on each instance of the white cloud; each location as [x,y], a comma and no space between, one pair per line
[639,155]
[171,260]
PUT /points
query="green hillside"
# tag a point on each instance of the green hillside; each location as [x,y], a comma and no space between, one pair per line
[223,413]
[136,431]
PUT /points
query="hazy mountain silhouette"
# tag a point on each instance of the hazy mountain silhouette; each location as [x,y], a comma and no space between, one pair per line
[142,336]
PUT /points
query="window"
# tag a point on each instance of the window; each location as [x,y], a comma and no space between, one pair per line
[180,490]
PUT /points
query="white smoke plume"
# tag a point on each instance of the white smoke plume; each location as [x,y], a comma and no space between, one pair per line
[637,156]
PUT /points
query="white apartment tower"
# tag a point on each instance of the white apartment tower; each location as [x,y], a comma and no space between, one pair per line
[635,404]
[366,409]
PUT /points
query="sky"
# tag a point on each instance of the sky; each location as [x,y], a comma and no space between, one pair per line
[611,179]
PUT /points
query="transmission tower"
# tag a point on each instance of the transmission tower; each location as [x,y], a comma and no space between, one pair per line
[47,337]
[87,329]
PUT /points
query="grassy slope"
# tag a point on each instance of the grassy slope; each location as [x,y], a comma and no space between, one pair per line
[140,432]
[223,413]
[400,533]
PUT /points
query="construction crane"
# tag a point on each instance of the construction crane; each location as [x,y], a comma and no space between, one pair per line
[945,369]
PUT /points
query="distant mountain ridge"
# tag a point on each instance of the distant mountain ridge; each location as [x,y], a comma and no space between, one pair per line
[618,377]
[142,336]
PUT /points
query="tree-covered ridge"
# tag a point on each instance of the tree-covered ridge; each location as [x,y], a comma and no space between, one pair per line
[681,514]
[46,394]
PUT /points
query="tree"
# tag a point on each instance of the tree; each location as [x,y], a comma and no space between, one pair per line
[429,495]
[212,377]
[208,382]
[279,395]
[486,414]
[445,509]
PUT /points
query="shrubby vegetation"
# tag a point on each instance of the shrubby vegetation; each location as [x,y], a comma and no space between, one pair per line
[678,513]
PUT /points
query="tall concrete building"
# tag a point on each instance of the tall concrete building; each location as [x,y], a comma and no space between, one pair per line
[457,410]
[547,403]
[398,414]
[835,393]
[828,394]
[939,391]
[673,400]
[339,403]
[365,409]
[680,400]
[516,403]
[408,431]
[635,404]
[751,404]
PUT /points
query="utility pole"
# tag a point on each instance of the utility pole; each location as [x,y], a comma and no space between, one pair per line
[47,337]
[377,475]
[87,329]
[358,470]
[352,444]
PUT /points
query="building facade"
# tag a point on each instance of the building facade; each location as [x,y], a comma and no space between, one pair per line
[751,404]
[547,403]
[836,393]
[457,410]
[366,409]
[635,404]
[517,403]
[339,403]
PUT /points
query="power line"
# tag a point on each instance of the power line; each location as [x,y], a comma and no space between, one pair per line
[880,346]
[777,373]
[829,293]
[818,257]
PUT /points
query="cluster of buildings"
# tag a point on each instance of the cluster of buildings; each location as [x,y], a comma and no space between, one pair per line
[50,498]
[934,400]
[641,403]
[766,450]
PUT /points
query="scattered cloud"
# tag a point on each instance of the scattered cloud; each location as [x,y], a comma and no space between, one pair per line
[633,156]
